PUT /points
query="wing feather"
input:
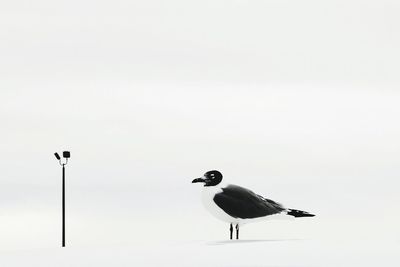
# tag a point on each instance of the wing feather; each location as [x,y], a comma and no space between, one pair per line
[242,203]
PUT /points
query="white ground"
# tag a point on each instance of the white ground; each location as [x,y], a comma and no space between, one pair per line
[278,252]
[309,242]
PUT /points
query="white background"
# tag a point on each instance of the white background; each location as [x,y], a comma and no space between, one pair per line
[297,100]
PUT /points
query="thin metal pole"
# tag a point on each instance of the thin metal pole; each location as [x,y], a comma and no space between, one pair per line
[63,205]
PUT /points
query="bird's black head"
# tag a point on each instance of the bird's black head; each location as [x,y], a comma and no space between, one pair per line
[210,178]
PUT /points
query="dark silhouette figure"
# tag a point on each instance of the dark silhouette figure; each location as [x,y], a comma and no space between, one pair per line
[66,156]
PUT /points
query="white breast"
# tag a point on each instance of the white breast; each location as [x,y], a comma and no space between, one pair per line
[207,197]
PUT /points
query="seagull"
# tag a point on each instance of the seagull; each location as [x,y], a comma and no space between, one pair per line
[237,205]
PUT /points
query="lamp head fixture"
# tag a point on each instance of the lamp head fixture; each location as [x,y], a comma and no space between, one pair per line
[66,154]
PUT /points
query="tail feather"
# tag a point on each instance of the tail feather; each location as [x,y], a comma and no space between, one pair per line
[299,213]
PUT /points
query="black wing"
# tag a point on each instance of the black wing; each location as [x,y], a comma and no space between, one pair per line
[242,203]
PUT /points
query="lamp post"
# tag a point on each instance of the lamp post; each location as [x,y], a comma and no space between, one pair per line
[66,156]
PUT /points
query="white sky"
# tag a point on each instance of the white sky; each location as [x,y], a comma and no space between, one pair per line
[297,100]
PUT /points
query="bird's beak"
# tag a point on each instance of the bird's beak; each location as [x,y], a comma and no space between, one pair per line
[198,180]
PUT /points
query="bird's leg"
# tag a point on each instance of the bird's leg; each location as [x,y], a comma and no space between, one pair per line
[237,231]
[231,229]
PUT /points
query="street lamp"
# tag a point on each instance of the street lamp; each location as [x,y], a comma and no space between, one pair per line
[66,156]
